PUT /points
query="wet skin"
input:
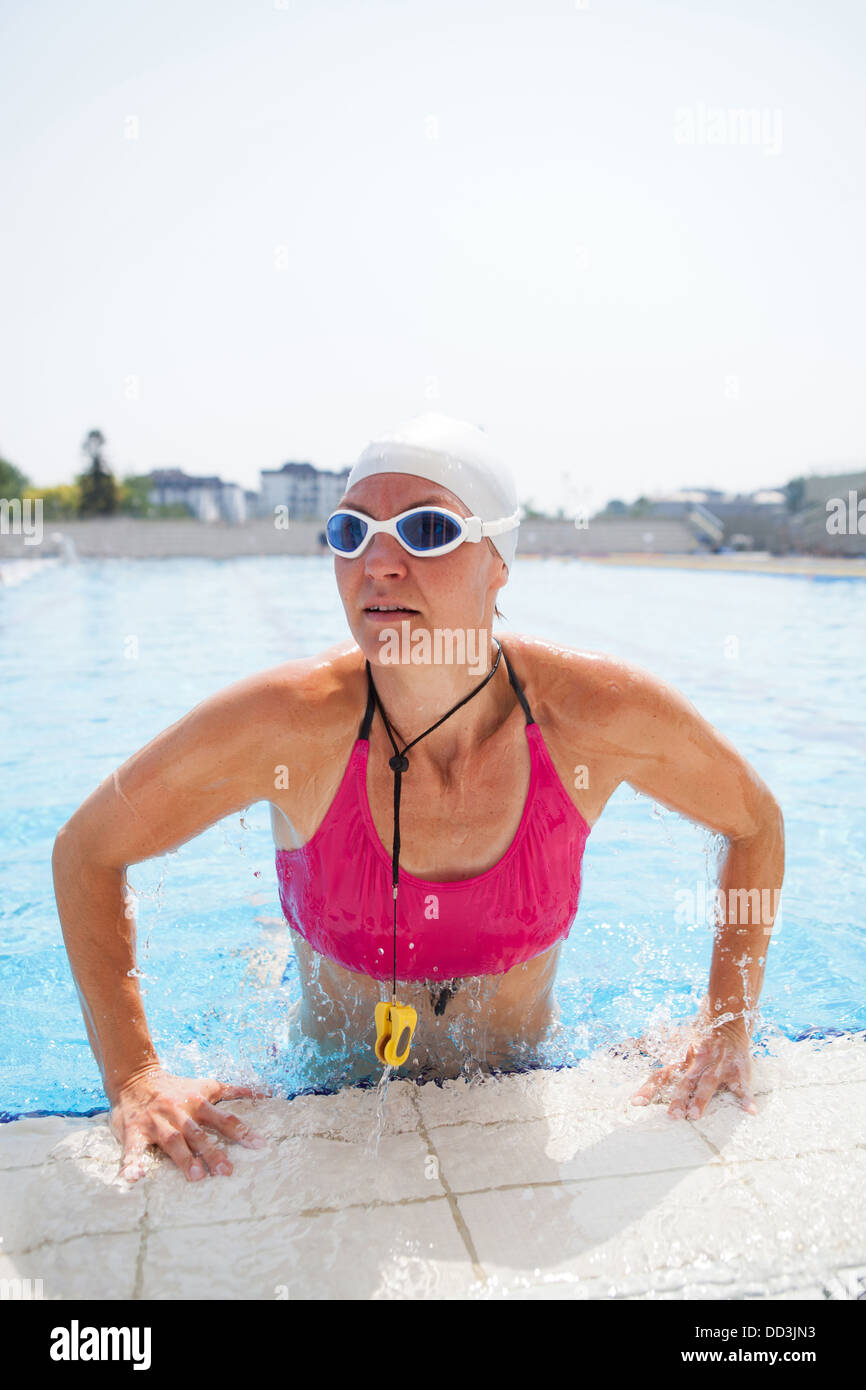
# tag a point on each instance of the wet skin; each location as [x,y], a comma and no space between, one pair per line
[484,1022]
[448,832]
[285,735]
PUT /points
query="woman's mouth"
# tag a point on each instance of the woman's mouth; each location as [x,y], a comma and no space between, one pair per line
[389,613]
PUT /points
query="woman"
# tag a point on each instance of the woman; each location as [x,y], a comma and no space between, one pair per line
[432,792]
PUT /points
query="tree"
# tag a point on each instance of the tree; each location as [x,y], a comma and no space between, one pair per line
[97,484]
[795,491]
[12,480]
[58,503]
[531,512]
[134,496]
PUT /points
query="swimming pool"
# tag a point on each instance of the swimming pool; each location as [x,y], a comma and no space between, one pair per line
[98,657]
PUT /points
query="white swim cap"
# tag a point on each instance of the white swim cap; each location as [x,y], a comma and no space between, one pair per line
[456,455]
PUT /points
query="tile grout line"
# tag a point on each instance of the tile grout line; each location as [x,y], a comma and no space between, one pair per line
[453,1205]
[415,1201]
[616,1107]
[836,1265]
[57,1160]
[784,1083]
[50,1243]
[306,1212]
[833,1271]
[745,1178]
[144,1232]
[52,1158]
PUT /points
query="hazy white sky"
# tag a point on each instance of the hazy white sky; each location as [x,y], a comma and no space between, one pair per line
[239,233]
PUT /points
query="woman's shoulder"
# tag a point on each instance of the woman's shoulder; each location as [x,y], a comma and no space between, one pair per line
[299,702]
[564,683]
[308,696]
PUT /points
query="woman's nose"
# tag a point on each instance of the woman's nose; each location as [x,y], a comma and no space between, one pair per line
[385,555]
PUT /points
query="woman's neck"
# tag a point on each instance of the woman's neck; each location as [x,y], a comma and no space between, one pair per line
[416,696]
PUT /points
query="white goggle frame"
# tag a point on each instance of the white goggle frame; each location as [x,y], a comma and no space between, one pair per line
[471,528]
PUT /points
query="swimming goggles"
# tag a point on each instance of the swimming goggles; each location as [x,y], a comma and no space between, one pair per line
[421,530]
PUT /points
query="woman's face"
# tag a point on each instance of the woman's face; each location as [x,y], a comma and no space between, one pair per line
[452,591]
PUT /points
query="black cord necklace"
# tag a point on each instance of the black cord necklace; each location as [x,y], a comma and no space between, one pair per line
[400,764]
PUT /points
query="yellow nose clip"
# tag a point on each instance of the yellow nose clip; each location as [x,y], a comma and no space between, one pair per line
[395,1024]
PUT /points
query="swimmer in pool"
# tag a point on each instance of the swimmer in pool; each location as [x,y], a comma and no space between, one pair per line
[432,791]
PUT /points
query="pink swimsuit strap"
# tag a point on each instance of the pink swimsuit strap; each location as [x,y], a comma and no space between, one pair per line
[336,889]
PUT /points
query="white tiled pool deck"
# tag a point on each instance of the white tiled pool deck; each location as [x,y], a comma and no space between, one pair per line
[544,1185]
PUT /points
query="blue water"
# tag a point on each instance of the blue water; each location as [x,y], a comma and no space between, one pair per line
[79,695]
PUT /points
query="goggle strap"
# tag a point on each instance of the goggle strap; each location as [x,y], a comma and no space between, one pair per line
[498,528]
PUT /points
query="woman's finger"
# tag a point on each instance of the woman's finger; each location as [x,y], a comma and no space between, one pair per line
[172,1142]
[135,1146]
[707,1085]
[229,1125]
[201,1143]
[682,1097]
[646,1092]
[226,1092]
[747,1100]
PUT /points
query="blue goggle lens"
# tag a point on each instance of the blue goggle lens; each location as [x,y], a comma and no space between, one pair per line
[428,530]
[346,532]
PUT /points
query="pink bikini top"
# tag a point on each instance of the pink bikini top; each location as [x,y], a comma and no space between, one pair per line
[336,890]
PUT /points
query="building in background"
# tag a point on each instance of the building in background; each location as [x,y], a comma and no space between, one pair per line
[208,499]
[777,520]
[819,488]
[309,493]
[813,529]
[741,521]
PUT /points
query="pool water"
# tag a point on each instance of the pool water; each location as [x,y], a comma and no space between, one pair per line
[98,657]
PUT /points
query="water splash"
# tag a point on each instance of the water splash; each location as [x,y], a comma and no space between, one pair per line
[381,1096]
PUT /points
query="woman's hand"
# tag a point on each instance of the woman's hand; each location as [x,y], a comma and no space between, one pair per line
[175,1112]
[707,1060]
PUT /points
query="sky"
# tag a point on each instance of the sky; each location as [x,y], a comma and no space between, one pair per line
[236,234]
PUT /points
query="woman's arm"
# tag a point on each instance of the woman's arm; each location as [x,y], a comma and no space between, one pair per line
[217,759]
[646,733]
[670,752]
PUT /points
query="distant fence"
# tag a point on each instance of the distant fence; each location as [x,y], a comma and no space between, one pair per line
[125,537]
[133,538]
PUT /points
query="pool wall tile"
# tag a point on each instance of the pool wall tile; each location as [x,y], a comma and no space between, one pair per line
[59,1200]
[392,1252]
[545,1185]
[620,1230]
[563,1147]
[299,1174]
[87,1267]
